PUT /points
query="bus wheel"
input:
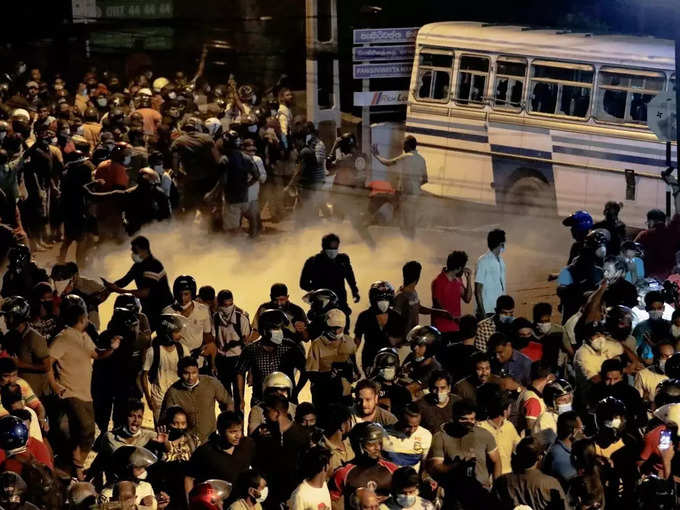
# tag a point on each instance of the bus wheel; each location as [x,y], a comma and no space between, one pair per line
[529,195]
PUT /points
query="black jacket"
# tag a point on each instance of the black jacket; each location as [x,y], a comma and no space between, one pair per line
[321,272]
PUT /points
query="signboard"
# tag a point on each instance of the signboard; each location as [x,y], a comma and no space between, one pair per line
[393,70]
[402,52]
[383,98]
[385,35]
[92,10]
[155,38]
[661,115]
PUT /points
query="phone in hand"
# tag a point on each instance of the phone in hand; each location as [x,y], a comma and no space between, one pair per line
[665,440]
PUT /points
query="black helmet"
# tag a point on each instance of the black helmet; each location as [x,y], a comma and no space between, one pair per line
[667,392]
[347,142]
[656,493]
[633,246]
[13,434]
[387,358]
[271,319]
[596,238]
[182,283]
[16,310]
[169,324]
[123,320]
[554,390]
[273,105]
[672,366]
[116,114]
[423,335]
[232,140]
[365,432]
[72,308]
[619,322]
[128,301]
[19,255]
[320,301]
[12,488]
[380,291]
[610,413]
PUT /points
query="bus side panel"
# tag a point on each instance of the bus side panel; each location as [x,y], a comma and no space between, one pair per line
[469,176]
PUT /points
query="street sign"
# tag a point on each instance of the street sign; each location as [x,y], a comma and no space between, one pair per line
[93,10]
[393,70]
[401,52]
[383,98]
[385,35]
[661,116]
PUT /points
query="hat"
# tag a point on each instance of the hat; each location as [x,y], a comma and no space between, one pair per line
[20,112]
[335,318]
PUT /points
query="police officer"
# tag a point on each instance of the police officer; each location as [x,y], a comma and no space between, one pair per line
[421,362]
[385,371]
[22,274]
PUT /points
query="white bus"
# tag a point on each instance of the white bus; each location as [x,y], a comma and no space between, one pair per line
[508,115]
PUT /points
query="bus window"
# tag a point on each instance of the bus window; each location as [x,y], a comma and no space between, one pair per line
[434,76]
[560,88]
[509,86]
[623,94]
[472,78]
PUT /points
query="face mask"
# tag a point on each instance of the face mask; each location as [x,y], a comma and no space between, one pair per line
[136,258]
[21,69]
[190,386]
[172,95]
[563,408]
[276,336]
[419,359]
[3,134]
[543,327]
[655,315]
[195,98]
[675,331]
[308,138]
[174,433]
[614,423]
[406,500]
[60,286]
[263,495]
[383,306]
[84,93]
[331,254]
[331,334]
[130,434]
[253,128]
[601,252]
[597,343]
[662,364]
[102,101]
[158,169]
[185,306]
[505,319]
[227,309]
[127,160]
[443,397]
[143,475]
[388,373]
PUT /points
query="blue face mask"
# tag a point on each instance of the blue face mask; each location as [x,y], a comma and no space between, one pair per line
[505,319]
[406,500]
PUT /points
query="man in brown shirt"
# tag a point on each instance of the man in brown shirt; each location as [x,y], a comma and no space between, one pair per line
[197,394]
[366,407]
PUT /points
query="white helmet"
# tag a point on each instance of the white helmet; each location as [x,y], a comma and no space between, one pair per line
[212,124]
[145,92]
[20,112]
[159,83]
[277,380]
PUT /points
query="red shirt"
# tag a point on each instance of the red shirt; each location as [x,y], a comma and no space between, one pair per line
[113,174]
[651,448]
[447,294]
[533,351]
[36,449]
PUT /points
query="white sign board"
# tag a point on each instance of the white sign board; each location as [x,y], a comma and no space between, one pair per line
[383,98]
[661,115]
[391,70]
[385,35]
[397,52]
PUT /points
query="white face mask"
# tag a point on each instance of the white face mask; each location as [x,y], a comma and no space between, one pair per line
[54,140]
[158,169]
[418,359]
[563,408]
[615,423]
[60,286]
[3,134]
[656,314]
[186,306]
[145,473]
[127,160]
[331,254]
[253,128]
[601,252]
[543,327]
[136,258]
[662,364]
[383,306]
[276,336]
[406,500]
[442,397]
[190,386]
[102,102]
[308,138]
[172,95]
[675,331]
[388,373]
[263,495]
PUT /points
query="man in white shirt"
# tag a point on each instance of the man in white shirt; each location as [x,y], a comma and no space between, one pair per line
[490,274]
[588,358]
[197,334]
[647,379]
[312,493]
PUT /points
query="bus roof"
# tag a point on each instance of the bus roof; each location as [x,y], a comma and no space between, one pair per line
[626,50]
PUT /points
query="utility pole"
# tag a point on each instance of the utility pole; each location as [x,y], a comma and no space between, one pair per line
[323,67]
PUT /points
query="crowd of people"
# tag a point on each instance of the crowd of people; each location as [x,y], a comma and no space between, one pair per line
[575,406]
